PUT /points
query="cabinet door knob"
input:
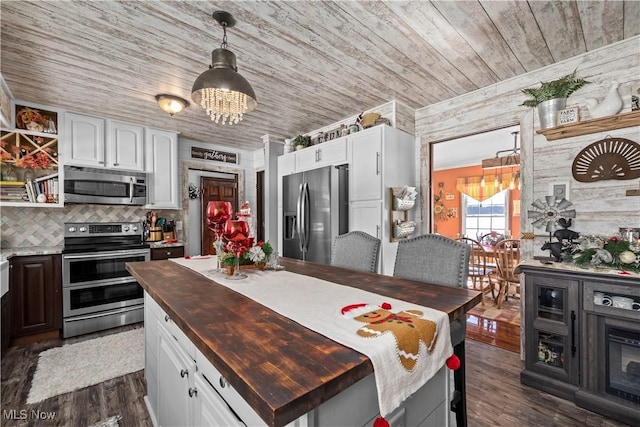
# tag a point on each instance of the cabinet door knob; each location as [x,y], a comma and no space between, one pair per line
[223,382]
[193,391]
[168,253]
[184,373]
[166,317]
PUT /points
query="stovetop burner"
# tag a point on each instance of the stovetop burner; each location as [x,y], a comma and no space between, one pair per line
[103,236]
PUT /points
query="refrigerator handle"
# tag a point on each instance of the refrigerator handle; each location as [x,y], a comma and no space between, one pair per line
[299,219]
[305,216]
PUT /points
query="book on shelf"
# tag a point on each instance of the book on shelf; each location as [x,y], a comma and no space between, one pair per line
[44,178]
[12,183]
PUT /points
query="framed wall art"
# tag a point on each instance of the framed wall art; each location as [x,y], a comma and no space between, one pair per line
[568,115]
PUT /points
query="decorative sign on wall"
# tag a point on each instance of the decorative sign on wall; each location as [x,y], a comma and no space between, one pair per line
[568,115]
[215,155]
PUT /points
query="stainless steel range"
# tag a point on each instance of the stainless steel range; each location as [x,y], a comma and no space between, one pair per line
[98,291]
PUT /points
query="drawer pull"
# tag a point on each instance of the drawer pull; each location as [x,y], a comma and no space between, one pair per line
[166,318]
[184,373]
[193,391]
[223,382]
[168,253]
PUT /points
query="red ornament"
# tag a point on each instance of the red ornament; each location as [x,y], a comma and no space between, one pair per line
[380,422]
[613,239]
[453,363]
[385,306]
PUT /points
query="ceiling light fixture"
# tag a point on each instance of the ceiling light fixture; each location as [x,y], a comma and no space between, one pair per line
[221,91]
[171,104]
[512,159]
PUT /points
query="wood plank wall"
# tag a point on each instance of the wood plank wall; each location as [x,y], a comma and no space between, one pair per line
[602,207]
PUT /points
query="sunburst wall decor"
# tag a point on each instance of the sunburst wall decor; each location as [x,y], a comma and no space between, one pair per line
[609,158]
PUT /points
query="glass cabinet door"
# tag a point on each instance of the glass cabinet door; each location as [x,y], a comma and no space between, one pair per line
[551,303]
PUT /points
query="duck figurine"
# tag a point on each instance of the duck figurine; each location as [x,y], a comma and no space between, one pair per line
[610,105]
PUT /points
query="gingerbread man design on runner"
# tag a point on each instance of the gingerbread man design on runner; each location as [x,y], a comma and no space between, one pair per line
[408,328]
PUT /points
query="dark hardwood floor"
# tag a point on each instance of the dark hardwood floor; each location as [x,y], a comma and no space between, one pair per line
[494,394]
[121,396]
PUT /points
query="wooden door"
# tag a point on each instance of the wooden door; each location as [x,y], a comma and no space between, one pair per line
[215,189]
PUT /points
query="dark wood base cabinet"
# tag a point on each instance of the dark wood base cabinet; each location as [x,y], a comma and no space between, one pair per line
[166,253]
[6,323]
[36,296]
[582,339]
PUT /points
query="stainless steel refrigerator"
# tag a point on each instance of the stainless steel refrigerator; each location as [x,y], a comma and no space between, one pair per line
[315,209]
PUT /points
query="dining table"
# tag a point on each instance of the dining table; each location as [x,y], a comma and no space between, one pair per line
[259,351]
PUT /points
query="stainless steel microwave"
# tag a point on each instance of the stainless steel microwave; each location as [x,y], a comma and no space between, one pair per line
[103,186]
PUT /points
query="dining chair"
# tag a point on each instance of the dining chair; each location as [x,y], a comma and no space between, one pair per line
[439,260]
[507,254]
[490,239]
[481,269]
[356,250]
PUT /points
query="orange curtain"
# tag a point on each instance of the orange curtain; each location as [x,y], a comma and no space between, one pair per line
[471,185]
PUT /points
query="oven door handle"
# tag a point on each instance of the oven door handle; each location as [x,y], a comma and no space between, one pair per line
[110,254]
[131,189]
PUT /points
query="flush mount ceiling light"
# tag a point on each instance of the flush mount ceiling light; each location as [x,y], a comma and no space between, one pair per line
[171,104]
[221,91]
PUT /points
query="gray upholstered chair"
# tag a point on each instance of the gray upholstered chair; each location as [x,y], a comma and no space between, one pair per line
[356,250]
[439,260]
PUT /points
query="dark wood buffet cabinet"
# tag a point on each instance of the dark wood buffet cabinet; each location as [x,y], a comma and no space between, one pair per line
[582,338]
[36,296]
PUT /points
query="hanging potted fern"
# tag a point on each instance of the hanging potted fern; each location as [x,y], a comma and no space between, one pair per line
[551,97]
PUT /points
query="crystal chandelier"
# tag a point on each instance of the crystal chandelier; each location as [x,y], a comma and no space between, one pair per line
[221,91]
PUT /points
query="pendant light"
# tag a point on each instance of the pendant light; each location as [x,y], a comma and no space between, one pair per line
[221,90]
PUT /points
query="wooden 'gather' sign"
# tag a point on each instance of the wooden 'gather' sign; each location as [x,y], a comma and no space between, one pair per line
[215,155]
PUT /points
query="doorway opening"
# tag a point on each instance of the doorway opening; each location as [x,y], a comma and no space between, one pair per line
[472,201]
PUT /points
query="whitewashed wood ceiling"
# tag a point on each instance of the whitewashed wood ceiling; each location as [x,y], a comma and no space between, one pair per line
[311,63]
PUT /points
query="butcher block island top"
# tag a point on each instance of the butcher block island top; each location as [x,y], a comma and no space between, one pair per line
[282,369]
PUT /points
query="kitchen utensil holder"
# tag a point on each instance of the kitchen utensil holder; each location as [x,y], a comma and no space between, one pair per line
[155,234]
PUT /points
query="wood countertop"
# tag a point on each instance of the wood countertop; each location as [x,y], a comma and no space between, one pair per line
[282,369]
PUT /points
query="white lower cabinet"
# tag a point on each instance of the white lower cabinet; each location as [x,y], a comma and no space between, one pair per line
[175,378]
[190,391]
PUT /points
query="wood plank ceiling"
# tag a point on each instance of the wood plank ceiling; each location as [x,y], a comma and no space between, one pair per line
[311,63]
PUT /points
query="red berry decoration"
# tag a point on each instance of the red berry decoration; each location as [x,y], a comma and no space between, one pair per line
[380,422]
[385,306]
[453,363]
[613,239]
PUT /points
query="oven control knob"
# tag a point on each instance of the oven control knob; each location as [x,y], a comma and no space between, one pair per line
[134,228]
[83,229]
[125,228]
[72,229]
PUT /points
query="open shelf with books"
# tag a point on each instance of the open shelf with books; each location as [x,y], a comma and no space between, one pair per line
[29,169]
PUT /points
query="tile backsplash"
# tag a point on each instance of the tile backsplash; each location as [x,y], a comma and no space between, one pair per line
[23,227]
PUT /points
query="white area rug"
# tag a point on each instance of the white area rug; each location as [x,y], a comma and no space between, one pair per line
[74,366]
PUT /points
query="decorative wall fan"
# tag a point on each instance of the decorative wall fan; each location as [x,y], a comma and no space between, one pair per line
[547,213]
[609,158]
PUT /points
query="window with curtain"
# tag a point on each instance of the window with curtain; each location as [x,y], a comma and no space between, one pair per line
[482,217]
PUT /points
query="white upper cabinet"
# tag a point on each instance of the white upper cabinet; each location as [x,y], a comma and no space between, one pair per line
[317,156]
[96,142]
[125,146]
[161,152]
[365,170]
[84,140]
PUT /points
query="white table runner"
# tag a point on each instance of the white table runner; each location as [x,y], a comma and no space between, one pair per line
[319,305]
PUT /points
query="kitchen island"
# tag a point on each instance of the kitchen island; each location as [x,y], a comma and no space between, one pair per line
[281,369]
